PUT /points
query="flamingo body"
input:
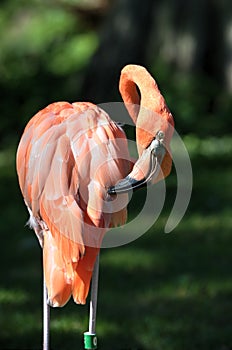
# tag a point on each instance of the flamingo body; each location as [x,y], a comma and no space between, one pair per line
[67,156]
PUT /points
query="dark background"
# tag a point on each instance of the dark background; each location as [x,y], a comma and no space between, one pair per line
[163,291]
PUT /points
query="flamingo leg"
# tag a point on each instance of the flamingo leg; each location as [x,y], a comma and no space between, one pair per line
[46,317]
[90,338]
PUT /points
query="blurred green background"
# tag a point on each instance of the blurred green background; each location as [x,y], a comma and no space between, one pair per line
[163,291]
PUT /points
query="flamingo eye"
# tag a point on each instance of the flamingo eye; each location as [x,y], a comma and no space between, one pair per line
[157,145]
[160,135]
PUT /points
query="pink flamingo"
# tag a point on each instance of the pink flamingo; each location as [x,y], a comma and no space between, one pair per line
[71,161]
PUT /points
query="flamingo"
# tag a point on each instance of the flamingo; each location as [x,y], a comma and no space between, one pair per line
[72,164]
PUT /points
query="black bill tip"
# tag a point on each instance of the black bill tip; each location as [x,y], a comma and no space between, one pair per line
[126,185]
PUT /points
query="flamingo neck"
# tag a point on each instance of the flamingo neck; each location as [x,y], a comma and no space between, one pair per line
[146,111]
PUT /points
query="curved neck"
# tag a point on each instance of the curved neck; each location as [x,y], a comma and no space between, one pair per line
[146,111]
[133,76]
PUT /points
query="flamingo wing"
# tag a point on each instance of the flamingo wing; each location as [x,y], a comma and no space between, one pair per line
[67,156]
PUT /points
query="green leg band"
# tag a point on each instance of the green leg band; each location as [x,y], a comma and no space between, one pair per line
[90,340]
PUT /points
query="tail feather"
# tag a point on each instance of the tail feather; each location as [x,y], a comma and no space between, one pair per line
[58,274]
[65,278]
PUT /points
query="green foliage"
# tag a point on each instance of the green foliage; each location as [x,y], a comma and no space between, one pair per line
[74,54]
[43,36]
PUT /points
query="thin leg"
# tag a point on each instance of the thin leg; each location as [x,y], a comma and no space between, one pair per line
[90,337]
[46,318]
[93,300]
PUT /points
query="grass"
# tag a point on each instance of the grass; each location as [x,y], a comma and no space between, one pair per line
[162,292]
